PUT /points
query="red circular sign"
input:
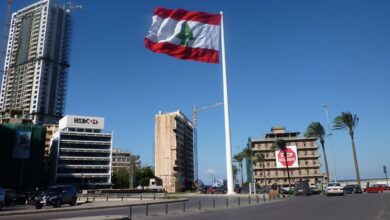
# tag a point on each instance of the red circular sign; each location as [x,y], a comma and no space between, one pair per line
[291,157]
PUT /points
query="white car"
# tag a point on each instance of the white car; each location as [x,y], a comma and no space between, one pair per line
[334,189]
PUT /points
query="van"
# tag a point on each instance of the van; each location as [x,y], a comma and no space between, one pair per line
[302,188]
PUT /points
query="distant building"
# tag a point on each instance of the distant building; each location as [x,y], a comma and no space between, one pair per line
[50,130]
[81,152]
[174,151]
[125,160]
[303,159]
[37,61]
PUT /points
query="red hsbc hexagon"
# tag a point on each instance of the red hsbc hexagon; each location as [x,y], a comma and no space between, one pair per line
[291,157]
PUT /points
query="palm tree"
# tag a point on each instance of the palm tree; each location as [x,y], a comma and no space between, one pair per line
[260,158]
[239,158]
[348,121]
[316,130]
[235,172]
[280,144]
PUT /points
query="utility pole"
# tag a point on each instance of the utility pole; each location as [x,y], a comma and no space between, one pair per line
[195,111]
[330,135]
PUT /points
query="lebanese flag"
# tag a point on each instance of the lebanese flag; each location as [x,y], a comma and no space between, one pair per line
[185,35]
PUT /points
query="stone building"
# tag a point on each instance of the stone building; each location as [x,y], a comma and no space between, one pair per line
[174,163]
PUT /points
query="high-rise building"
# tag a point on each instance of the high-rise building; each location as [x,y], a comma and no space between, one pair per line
[37,62]
[174,151]
[302,159]
[81,153]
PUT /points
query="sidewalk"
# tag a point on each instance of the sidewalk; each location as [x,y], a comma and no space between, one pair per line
[89,205]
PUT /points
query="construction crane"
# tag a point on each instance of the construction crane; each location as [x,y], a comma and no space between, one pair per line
[4,35]
[195,111]
[70,6]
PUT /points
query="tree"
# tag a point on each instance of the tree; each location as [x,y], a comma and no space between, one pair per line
[120,178]
[348,121]
[316,130]
[260,158]
[239,157]
[280,144]
[143,175]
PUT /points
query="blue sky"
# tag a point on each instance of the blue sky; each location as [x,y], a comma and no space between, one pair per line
[284,59]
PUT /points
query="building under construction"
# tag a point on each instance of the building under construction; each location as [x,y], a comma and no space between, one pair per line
[37,61]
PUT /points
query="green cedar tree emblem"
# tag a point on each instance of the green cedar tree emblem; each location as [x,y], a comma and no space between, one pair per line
[185,34]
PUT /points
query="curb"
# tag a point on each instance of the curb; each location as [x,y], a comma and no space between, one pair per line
[37,211]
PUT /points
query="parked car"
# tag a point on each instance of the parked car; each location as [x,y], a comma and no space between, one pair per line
[315,190]
[283,191]
[349,189]
[57,196]
[2,198]
[10,198]
[334,189]
[376,188]
[302,188]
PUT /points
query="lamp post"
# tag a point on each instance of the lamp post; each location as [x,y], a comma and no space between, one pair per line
[330,135]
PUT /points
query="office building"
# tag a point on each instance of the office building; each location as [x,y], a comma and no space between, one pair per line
[174,151]
[37,62]
[81,152]
[303,159]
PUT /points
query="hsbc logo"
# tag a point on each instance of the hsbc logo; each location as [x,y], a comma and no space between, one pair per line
[85,121]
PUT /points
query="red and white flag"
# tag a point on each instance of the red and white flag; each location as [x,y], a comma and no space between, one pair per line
[185,35]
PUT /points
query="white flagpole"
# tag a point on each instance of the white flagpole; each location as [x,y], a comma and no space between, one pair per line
[229,170]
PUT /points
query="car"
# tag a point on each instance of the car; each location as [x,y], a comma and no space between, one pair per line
[10,198]
[302,188]
[56,196]
[376,188]
[211,190]
[283,191]
[314,190]
[2,198]
[334,189]
[349,189]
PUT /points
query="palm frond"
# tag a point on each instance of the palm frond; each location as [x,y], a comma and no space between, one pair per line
[315,130]
[346,120]
[279,144]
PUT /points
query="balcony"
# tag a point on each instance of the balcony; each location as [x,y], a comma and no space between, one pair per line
[84,175]
[84,166]
[85,158]
[86,142]
[85,150]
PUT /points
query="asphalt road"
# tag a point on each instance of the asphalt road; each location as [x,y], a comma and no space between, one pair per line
[318,207]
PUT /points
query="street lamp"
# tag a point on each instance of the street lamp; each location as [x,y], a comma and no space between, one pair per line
[330,135]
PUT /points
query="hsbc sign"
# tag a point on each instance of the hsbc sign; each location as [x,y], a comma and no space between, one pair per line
[85,121]
[73,121]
